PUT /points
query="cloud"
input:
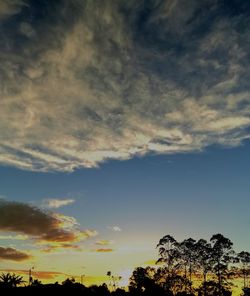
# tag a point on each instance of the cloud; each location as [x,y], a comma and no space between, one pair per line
[44,275]
[115,228]
[10,7]
[14,237]
[55,203]
[88,81]
[61,248]
[104,250]
[104,242]
[44,227]
[13,254]
[88,233]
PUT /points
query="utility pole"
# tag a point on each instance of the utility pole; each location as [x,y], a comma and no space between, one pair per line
[30,276]
[82,276]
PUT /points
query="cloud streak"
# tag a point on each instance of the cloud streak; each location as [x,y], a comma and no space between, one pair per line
[55,203]
[83,82]
[13,254]
[104,242]
[14,237]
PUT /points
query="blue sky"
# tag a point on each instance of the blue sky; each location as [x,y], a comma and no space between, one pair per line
[120,122]
[194,194]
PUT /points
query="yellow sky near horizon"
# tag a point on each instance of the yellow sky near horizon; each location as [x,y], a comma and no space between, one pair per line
[93,265]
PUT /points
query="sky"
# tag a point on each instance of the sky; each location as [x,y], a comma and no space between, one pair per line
[120,122]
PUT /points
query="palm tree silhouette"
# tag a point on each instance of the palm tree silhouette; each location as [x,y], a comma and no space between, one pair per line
[11,280]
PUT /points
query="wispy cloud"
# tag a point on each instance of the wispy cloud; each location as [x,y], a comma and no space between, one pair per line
[61,248]
[54,203]
[115,228]
[13,254]
[44,227]
[104,242]
[114,81]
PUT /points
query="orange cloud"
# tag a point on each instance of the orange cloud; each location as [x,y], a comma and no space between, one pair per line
[55,248]
[46,275]
[13,254]
[104,250]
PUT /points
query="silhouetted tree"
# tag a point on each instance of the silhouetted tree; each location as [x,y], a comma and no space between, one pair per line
[69,282]
[98,290]
[113,280]
[8,280]
[169,254]
[212,289]
[188,256]
[36,283]
[141,278]
[246,292]
[244,259]
[204,260]
[170,282]
[222,255]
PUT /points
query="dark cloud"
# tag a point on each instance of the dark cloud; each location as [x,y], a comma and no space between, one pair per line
[85,81]
[13,254]
[40,225]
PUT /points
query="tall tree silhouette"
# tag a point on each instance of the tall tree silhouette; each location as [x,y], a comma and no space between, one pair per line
[169,253]
[204,260]
[244,259]
[170,276]
[222,255]
[188,255]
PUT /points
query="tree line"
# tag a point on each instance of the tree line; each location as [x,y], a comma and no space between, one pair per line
[213,264]
[186,268]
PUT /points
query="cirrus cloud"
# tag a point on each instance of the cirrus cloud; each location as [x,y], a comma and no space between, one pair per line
[89,81]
